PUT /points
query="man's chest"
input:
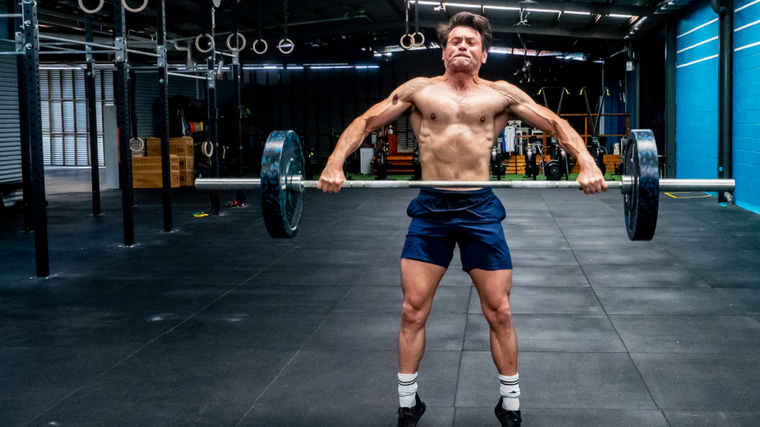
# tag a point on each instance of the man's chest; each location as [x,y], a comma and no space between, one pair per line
[450,107]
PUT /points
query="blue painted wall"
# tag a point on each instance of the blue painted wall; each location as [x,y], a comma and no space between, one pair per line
[746,149]
[697,97]
[697,93]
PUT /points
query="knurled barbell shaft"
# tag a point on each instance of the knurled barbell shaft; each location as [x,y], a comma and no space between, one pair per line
[666,185]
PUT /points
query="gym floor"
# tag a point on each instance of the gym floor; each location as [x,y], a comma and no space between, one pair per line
[216,324]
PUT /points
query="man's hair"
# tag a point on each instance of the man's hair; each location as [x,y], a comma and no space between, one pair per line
[467,19]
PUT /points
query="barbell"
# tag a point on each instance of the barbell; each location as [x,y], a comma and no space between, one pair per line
[282,184]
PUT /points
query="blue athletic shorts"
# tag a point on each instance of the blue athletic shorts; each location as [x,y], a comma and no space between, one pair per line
[443,218]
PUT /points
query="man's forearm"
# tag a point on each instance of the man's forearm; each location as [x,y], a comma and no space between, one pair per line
[573,143]
[350,140]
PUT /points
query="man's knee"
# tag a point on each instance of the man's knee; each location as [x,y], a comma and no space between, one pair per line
[414,315]
[499,316]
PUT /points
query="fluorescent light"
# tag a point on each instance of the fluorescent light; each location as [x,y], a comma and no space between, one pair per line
[329,67]
[263,67]
[428,3]
[572,12]
[501,8]
[462,5]
[500,50]
[620,16]
[543,10]
[295,67]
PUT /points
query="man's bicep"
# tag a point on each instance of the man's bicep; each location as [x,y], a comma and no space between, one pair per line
[522,107]
[385,112]
[535,115]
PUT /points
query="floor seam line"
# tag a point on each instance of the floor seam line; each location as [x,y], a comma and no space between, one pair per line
[267,388]
[461,353]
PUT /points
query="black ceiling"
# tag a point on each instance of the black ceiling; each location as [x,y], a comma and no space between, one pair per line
[329,30]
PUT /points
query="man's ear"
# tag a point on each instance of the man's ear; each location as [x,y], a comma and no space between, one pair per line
[485,56]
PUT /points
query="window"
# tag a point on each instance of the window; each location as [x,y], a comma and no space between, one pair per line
[64,115]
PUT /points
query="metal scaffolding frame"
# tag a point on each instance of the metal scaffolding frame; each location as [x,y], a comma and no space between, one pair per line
[28,50]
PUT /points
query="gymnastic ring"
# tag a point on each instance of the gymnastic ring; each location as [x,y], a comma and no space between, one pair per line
[139,147]
[233,49]
[207,148]
[139,9]
[96,10]
[410,45]
[211,43]
[266,46]
[283,41]
[414,43]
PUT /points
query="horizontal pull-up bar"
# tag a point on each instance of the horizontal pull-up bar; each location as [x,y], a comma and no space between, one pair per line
[69,52]
[189,76]
[61,39]
[102,46]
[139,52]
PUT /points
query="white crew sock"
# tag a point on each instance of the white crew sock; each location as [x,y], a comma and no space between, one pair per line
[407,390]
[510,391]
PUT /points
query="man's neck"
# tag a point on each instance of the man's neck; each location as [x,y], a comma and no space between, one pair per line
[461,80]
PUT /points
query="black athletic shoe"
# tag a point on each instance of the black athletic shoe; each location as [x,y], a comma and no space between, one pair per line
[507,418]
[408,417]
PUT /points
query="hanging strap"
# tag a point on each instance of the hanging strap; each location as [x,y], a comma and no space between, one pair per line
[285,40]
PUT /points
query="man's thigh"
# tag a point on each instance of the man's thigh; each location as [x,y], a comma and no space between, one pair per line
[419,281]
[494,287]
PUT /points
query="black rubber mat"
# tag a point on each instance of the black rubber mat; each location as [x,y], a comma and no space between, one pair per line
[216,324]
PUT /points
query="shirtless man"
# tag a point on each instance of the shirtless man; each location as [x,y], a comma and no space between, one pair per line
[456,118]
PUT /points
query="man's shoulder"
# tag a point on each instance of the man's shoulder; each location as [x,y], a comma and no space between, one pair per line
[419,83]
[414,86]
[503,86]
[510,92]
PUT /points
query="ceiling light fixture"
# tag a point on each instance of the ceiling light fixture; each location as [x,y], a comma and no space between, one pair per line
[463,5]
[485,6]
[444,5]
[543,10]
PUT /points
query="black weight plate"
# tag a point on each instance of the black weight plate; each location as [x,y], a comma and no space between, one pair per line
[552,171]
[641,205]
[281,205]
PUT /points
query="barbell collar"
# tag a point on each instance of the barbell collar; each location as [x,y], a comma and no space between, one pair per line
[625,186]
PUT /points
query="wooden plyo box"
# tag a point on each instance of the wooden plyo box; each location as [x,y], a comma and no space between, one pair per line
[182,147]
[187,178]
[146,172]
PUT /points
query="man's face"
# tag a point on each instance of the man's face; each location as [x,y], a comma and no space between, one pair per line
[464,50]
